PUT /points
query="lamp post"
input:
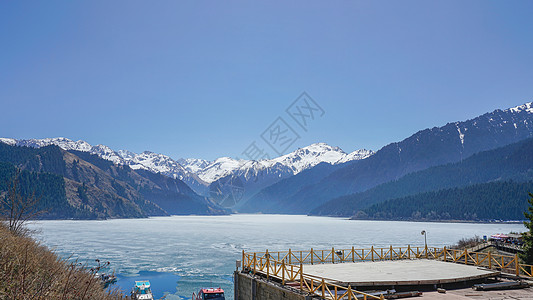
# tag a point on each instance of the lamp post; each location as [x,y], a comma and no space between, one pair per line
[425,238]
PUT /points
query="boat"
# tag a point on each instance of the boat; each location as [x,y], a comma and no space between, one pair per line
[210,293]
[106,279]
[142,291]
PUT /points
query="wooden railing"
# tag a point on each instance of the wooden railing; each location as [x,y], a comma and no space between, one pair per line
[287,266]
[350,255]
[270,267]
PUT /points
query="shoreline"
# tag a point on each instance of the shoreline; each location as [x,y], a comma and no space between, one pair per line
[445,221]
[333,217]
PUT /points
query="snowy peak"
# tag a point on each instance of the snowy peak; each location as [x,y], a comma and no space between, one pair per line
[356,155]
[312,155]
[11,142]
[527,107]
[193,165]
[155,162]
[219,168]
[61,142]
[105,153]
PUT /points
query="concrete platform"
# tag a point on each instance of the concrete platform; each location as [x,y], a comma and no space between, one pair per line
[398,272]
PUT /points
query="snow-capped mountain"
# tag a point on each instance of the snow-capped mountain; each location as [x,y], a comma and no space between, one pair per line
[199,173]
[249,177]
[193,165]
[293,163]
[157,163]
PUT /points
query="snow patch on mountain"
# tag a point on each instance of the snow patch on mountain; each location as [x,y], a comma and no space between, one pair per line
[193,165]
[11,142]
[158,163]
[527,107]
[461,134]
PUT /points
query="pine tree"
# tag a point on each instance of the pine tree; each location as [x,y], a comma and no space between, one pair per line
[527,256]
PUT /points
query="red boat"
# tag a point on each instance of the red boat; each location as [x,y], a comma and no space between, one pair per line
[211,294]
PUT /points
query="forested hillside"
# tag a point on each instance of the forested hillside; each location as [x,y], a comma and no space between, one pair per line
[505,200]
[512,162]
[86,186]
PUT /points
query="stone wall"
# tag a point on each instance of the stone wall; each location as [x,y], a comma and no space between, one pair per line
[249,288]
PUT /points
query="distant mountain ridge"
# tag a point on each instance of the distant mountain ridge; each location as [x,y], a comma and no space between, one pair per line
[512,162]
[87,186]
[256,175]
[199,173]
[430,147]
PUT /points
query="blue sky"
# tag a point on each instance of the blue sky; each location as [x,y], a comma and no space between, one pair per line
[205,78]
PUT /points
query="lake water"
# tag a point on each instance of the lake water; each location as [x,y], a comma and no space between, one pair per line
[181,254]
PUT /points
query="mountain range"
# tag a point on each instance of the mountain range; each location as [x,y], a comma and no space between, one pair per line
[318,179]
[208,178]
[513,162]
[78,184]
[450,143]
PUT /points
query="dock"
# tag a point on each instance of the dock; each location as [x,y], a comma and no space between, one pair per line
[349,273]
[398,273]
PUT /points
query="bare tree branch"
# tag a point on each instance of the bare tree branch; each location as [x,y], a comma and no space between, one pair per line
[16,208]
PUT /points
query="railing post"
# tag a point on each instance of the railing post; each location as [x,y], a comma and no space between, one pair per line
[408,251]
[353,254]
[332,255]
[312,256]
[349,292]
[268,266]
[243,262]
[372,252]
[490,261]
[301,277]
[290,254]
[426,249]
[255,262]
[390,252]
[445,253]
[283,272]
[268,260]
[517,266]
[323,288]
[292,277]
[466,257]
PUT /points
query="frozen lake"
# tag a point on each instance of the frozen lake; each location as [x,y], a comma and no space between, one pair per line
[181,254]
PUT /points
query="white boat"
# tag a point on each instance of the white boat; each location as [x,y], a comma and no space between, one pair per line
[142,291]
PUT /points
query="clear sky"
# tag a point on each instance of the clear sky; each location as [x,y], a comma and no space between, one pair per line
[206,78]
